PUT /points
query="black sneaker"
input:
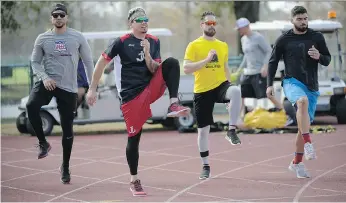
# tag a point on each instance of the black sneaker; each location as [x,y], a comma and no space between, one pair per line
[205,174]
[65,175]
[233,137]
[43,150]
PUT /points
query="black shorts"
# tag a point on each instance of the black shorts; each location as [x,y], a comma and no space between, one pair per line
[204,103]
[253,86]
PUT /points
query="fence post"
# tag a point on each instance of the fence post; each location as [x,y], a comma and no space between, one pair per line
[31,76]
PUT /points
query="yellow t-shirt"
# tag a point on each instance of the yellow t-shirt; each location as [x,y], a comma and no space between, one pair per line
[213,73]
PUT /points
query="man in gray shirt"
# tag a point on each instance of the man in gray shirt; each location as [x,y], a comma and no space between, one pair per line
[59,49]
[257,52]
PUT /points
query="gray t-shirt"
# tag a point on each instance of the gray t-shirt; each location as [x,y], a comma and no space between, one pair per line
[60,54]
[257,52]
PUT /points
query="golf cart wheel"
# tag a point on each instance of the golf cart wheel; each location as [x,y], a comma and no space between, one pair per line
[341,111]
[21,123]
[168,124]
[47,124]
[185,122]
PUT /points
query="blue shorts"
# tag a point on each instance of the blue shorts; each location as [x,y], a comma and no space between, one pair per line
[81,75]
[294,90]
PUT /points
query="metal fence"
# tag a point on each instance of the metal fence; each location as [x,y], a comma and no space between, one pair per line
[15,83]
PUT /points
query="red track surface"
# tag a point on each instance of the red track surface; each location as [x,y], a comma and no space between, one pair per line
[170,166]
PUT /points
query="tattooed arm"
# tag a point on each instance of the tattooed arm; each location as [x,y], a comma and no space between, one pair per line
[152,64]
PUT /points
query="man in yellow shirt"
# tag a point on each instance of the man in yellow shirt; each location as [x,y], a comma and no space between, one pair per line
[207,58]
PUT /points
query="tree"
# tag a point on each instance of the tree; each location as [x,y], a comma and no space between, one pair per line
[8,21]
[29,13]
[246,9]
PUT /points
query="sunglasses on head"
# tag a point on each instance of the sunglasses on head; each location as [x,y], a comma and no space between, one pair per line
[210,22]
[141,20]
[55,15]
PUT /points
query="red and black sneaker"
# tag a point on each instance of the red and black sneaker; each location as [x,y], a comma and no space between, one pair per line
[136,188]
[176,110]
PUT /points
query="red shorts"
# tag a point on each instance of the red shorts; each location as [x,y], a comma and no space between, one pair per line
[137,111]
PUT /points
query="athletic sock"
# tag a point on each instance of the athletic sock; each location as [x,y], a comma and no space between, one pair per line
[298,158]
[204,157]
[232,127]
[306,137]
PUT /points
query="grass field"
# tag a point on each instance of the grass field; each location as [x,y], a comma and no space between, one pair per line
[20,77]
[16,87]
[9,128]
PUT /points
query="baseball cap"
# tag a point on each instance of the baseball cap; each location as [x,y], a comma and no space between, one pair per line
[59,7]
[241,22]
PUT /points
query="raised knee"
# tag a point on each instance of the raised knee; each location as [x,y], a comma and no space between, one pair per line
[171,61]
[303,101]
[235,92]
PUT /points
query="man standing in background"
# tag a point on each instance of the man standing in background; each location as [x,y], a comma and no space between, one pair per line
[255,63]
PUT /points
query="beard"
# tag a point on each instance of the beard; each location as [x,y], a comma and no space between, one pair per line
[59,25]
[301,29]
[210,32]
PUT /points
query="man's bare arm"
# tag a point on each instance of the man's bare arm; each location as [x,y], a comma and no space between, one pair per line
[99,68]
[190,67]
[227,73]
[151,63]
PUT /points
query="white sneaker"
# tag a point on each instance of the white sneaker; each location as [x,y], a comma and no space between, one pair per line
[299,169]
[309,151]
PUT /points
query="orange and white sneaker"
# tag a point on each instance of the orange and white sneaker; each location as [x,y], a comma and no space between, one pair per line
[136,188]
[176,110]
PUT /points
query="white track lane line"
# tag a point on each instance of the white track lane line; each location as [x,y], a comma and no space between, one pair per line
[169,163]
[239,168]
[300,192]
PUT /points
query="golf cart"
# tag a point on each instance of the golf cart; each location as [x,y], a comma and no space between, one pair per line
[332,87]
[107,108]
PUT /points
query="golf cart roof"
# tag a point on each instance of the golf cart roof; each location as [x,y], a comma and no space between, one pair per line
[114,34]
[317,25]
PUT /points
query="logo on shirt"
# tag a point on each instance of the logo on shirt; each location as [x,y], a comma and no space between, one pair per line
[215,58]
[141,56]
[214,63]
[60,46]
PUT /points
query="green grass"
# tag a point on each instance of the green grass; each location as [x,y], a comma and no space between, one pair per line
[20,77]
[8,128]
[16,87]
[13,94]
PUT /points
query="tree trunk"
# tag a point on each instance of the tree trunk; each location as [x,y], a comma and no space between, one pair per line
[188,17]
[246,9]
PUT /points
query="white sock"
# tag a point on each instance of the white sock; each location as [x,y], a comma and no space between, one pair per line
[173,100]
[205,160]
[133,178]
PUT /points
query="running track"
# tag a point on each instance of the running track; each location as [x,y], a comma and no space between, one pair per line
[169,169]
